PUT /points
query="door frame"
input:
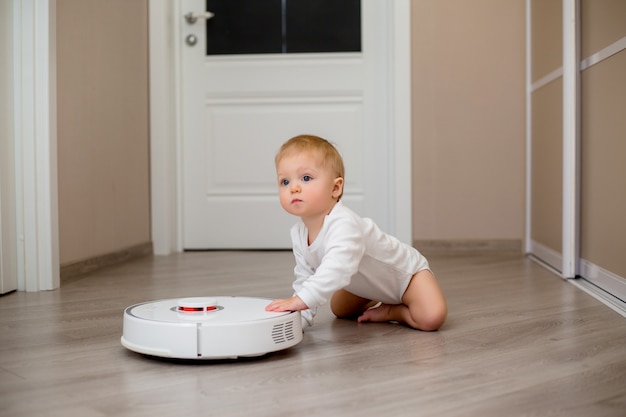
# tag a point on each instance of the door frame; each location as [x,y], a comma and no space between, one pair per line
[165,18]
[35,154]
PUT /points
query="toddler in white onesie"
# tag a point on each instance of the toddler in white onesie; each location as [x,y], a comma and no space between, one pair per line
[342,257]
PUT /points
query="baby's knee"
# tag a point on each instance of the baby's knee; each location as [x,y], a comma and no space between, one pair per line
[338,310]
[432,319]
[338,306]
[344,304]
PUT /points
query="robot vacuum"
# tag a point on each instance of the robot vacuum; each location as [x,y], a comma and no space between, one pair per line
[209,328]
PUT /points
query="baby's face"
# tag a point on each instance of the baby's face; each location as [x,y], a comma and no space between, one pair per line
[307,188]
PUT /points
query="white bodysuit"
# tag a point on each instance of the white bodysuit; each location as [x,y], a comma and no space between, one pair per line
[352,253]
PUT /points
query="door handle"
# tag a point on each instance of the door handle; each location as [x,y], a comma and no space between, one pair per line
[192,17]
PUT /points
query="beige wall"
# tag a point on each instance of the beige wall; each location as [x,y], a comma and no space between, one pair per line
[468,120]
[603,136]
[103,127]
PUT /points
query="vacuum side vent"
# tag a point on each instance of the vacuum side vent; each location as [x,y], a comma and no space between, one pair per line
[283,332]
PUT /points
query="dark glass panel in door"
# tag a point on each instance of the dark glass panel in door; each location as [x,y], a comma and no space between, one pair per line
[283,26]
[323,25]
[244,27]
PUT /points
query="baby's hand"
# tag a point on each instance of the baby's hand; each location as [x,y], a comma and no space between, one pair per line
[287,304]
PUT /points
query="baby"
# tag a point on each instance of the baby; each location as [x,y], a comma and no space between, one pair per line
[366,273]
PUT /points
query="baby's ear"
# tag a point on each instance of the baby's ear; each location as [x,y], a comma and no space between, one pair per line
[338,187]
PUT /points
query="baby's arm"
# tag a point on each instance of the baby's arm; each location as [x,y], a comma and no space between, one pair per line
[343,246]
[287,304]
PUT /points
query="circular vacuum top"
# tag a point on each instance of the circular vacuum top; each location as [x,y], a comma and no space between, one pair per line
[203,309]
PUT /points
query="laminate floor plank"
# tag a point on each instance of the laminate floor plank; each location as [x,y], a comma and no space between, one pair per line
[518,341]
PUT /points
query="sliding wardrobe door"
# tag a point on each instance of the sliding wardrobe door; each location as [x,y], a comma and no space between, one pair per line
[577,142]
[545,95]
[603,148]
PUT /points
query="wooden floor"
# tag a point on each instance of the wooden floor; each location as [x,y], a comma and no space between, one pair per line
[519,341]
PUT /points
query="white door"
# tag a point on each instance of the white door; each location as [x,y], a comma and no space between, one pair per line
[236,110]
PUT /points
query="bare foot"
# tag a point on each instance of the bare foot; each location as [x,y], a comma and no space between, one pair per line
[379,314]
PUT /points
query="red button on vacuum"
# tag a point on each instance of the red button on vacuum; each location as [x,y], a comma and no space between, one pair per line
[196,305]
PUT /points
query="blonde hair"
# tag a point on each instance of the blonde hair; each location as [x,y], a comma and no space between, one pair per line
[311,143]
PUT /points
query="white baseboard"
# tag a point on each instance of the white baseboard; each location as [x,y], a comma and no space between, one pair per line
[603,285]
[550,258]
[599,294]
[606,280]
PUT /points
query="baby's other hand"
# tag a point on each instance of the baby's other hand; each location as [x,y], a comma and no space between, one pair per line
[287,304]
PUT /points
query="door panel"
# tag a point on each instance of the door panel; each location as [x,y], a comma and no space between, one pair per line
[594,234]
[239,109]
[603,148]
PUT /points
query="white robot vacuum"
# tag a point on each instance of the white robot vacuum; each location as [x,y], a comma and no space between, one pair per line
[209,328]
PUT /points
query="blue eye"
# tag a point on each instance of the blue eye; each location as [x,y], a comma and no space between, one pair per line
[284,182]
[306,178]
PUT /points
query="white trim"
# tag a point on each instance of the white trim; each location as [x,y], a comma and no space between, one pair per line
[571,138]
[165,125]
[17,144]
[8,237]
[271,58]
[599,294]
[603,54]
[528,203]
[607,280]
[35,144]
[162,129]
[547,256]
[400,133]
[547,79]
[178,77]
[177,62]
[283,100]
[533,257]
[603,285]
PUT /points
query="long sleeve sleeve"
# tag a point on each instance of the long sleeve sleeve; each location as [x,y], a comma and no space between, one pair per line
[337,251]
